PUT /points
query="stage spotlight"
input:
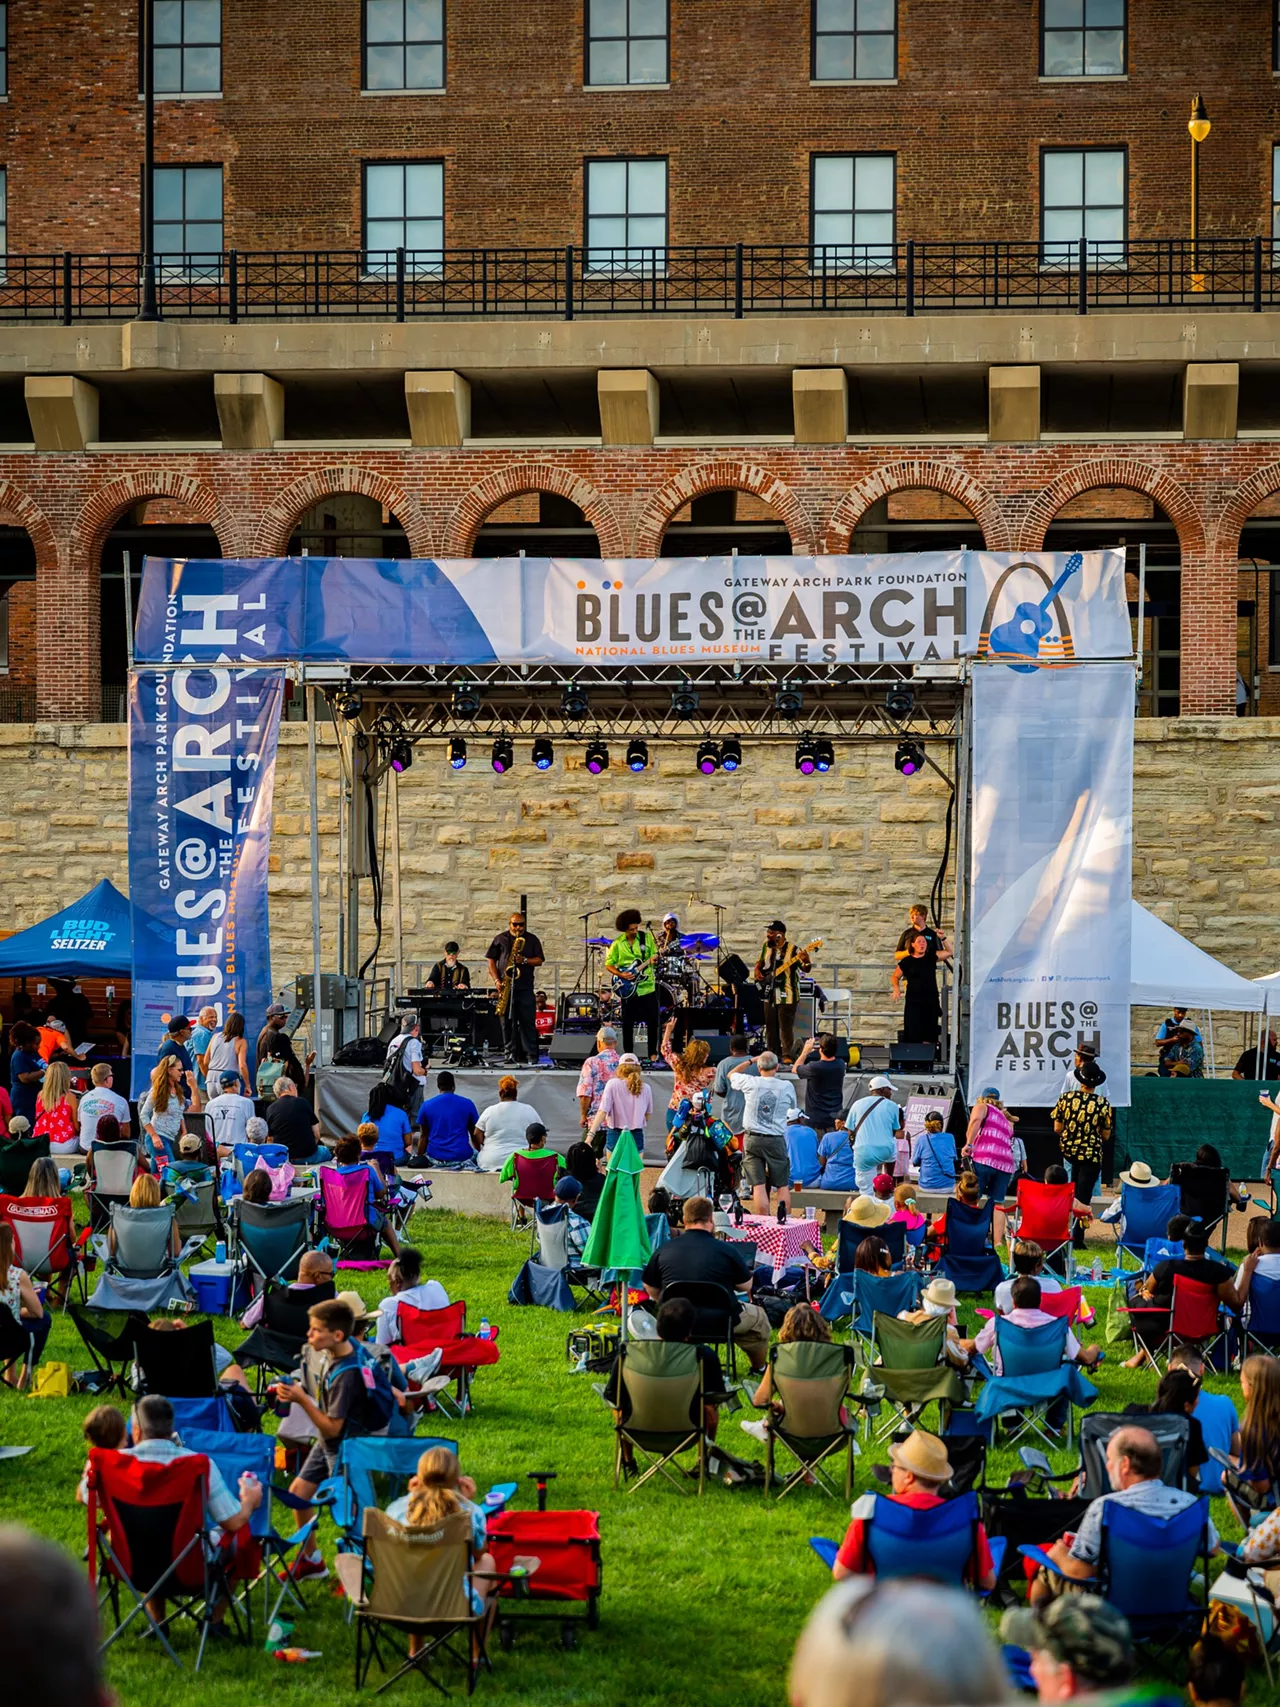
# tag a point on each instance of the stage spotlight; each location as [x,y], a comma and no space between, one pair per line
[824,755]
[788,702]
[401,755]
[597,757]
[708,758]
[543,753]
[457,752]
[574,702]
[899,703]
[684,701]
[503,754]
[637,755]
[466,699]
[806,755]
[347,703]
[730,753]
[909,757]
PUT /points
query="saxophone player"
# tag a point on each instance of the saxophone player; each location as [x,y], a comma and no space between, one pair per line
[512,956]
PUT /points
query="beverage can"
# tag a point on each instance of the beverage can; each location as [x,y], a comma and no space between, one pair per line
[220,1251]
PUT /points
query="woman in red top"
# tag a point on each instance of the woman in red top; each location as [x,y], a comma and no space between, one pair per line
[56,1111]
[691,1068]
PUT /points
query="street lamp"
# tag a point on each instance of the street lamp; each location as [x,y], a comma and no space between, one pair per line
[1198,125]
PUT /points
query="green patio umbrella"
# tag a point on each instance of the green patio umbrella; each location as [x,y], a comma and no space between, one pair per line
[619,1237]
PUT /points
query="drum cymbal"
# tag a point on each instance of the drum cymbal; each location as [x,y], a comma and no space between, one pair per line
[599,941]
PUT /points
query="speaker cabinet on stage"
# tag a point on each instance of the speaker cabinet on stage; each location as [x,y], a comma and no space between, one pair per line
[571,1048]
[718,1044]
[911,1057]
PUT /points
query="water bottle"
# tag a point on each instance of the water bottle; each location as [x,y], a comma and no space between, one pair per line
[484,1328]
[1095,1273]
[220,1251]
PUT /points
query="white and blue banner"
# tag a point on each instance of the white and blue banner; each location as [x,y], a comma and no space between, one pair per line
[1050,872]
[202,748]
[923,607]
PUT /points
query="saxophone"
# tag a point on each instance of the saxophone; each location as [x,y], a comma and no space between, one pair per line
[509,977]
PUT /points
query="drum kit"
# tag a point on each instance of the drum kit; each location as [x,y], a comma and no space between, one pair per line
[677,970]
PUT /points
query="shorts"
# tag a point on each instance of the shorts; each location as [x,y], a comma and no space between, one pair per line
[319,1463]
[765,1160]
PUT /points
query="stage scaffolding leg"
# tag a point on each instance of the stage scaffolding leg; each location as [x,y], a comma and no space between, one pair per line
[395,882]
[959,1040]
[313,784]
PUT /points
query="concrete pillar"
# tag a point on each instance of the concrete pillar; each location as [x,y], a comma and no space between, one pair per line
[1210,395]
[628,406]
[439,407]
[820,405]
[1013,405]
[63,411]
[250,410]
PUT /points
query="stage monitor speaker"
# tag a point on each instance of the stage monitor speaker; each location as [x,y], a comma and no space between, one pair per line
[911,1057]
[717,1043]
[571,1048]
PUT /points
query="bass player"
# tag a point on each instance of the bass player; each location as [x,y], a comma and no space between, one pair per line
[777,971]
[512,956]
[630,959]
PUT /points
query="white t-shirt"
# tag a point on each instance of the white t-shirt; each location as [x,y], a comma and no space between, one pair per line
[412,1051]
[226,1117]
[1003,1296]
[764,1103]
[429,1296]
[503,1125]
[93,1105]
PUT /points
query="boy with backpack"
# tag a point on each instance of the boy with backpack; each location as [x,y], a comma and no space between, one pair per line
[354,1398]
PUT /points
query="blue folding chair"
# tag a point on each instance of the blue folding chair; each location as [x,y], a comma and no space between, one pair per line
[1159,1250]
[1262,1316]
[837,1300]
[213,1415]
[247,1156]
[936,1544]
[968,1258]
[256,1453]
[268,1239]
[1145,1213]
[372,1470]
[1033,1376]
[881,1294]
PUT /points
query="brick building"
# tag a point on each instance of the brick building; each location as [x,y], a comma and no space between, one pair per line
[620,276]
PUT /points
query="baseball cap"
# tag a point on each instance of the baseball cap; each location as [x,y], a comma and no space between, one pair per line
[667,916]
[777,925]
[795,1114]
[277,1010]
[178,1023]
[880,1083]
[228,1078]
[1080,1630]
[190,1145]
[567,1186]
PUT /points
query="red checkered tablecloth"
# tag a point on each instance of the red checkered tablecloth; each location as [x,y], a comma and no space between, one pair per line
[781,1242]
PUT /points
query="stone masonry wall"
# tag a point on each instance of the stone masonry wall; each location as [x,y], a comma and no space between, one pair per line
[839,857]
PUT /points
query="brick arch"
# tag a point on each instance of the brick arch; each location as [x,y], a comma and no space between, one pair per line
[104,508]
[20,510]
[276,524]
[903,476]
[722,475]
[1173,498]
[484,497]
[1241,504]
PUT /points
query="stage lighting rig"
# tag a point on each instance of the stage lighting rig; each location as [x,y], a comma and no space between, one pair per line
[503,754]
[575,702]
[806,755]
[637,756]
[788,701]
[899,703]
[708,758]
[909,758]
[597,757]
[466,699]
[401,755]
[684,702]
[457,752]
[824,755]
[730,753]
[544,754]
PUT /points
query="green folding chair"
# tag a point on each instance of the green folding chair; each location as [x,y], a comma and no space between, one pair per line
[810,1382]
[913,1372]
[660,1386]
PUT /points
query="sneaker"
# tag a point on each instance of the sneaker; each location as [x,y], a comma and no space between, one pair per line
[756,1429]
[309,1567]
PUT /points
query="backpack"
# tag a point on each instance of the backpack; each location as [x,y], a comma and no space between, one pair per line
[379,1398]
[399,1079]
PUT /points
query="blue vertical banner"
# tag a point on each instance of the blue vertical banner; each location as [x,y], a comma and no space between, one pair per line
[202,750]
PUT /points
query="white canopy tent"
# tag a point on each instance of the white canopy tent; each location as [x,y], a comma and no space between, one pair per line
[1165,968]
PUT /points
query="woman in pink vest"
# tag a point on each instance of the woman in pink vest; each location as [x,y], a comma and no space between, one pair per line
[989,1145]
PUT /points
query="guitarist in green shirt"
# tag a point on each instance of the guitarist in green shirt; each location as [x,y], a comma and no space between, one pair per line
[630,959]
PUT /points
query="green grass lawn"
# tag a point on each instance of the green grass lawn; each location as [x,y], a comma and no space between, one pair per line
[702,1598]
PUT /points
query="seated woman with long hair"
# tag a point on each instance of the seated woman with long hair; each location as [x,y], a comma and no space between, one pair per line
[439,1490]
[145,1194]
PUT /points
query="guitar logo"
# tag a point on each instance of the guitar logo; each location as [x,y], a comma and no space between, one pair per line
[1024,642]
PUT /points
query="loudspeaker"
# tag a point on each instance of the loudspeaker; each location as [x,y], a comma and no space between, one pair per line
[718,1043]
[571,1048]
[910,1057]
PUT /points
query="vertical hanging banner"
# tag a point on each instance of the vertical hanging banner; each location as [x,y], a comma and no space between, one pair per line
[202,748]
[1052,836]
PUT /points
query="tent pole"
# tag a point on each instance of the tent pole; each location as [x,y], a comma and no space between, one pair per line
[1213,1065]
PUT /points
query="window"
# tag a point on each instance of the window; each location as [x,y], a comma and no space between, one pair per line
[404,209]
[186,221]
[626,215]
[626,41]
[852,211]
[1082,38]
[4,50]
[187,46]
[854,39]
[1083,195]
[404,44]
[1275,190]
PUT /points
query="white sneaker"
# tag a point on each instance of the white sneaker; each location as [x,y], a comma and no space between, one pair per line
[757,1430]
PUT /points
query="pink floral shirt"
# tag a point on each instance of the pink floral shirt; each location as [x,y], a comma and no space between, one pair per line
[596,1072]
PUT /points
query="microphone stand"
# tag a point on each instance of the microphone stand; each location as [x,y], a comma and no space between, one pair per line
[587,974]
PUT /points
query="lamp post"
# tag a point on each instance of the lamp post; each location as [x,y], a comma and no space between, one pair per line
[147,309]
[1198,125]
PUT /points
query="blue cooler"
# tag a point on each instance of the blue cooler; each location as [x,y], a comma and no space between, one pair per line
[211,1282]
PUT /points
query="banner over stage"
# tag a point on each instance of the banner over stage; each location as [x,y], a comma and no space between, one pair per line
[914,608]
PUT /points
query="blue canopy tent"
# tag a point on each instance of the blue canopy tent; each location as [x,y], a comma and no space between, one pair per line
[92,938]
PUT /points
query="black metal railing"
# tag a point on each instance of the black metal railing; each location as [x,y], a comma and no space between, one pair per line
[910,277]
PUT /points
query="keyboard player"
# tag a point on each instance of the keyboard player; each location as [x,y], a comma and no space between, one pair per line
[449,974]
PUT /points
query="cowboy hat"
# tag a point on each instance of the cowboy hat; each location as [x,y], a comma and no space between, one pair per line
[865,1211]
[924,1455]
[1140,1174]
[941,1292]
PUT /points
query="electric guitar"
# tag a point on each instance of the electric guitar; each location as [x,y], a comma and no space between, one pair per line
[625,979]
[771,982]
[1030,623]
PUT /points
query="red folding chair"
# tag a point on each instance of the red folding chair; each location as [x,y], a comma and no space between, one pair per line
[535,1178]
[45,1235]
[1042,1216]
[154,1543]
[1195,1318]
[1070,1302]
[423,1331]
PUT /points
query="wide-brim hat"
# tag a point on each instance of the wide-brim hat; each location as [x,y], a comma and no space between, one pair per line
[923,1454]
[1088,1050]
[868,1212]
[941,1291]
[357,1306]
[1139,1174]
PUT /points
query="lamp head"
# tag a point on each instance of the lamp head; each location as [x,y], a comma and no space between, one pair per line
[1198,123]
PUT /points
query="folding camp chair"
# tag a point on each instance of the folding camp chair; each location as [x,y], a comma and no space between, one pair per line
[177,1363]
[1033,1376]
[716,1313]
[967,1440]
[211,1415]
[880,1294]
[1197,1318]
[234,1454]
[1205,1195]
[417,1581]
[659,1390]
[155,1543]
[1019,1519]
[1262,1316]
[267,1240]
[968,1256]
[1145,1213]
[372,1470]
[551,1228]
[810,1382]
[423,1331]
[16,1157]
[1160,1250]
[937,1543]
[142,1273]
[1068,1304]
[402,1199]
[1172,1433]
[112,1169]
[247,1156]
[894,1235]
[198,1204]
[45,1235]
[535,1178]
[345,1212]
[1042,1216]
[275,1343]
[108,1337]
[16,1345]
[912,1371]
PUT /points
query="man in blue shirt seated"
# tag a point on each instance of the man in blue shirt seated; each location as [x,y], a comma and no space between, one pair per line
[447,1121]
[802,1149]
